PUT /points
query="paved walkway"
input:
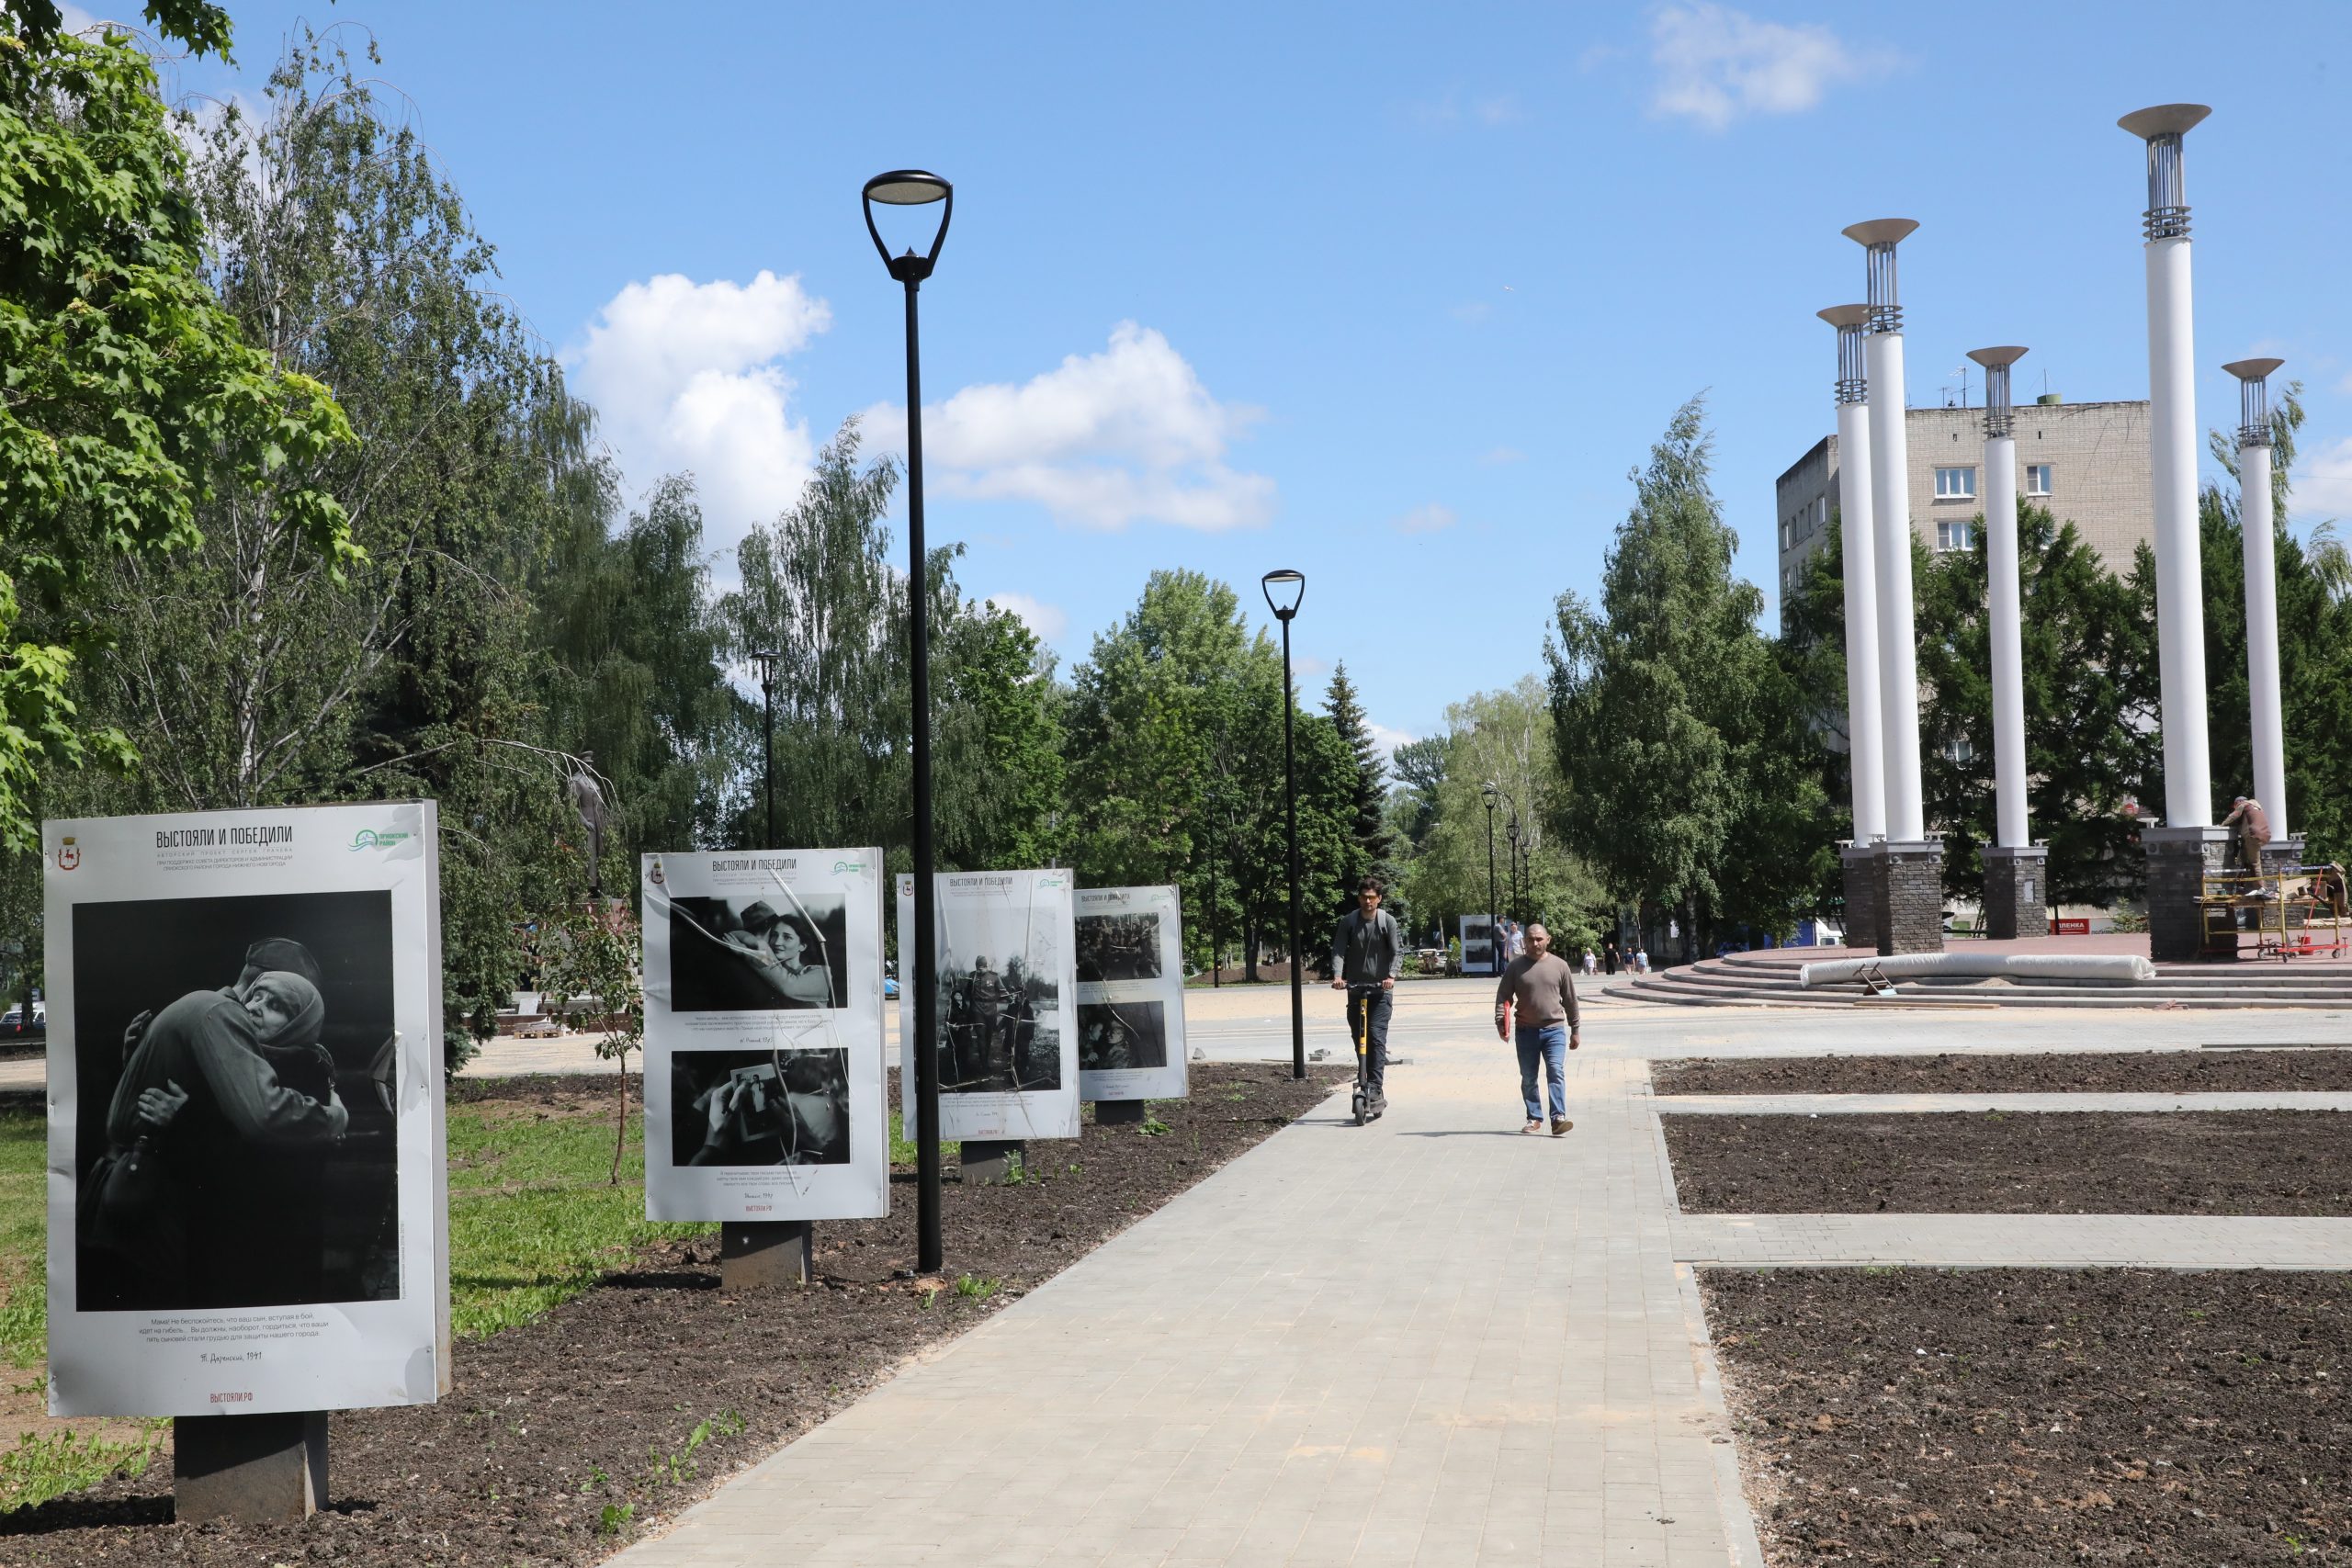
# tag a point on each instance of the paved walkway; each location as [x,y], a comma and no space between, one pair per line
[1919,1104]
[1430,1341]
[1988,1241]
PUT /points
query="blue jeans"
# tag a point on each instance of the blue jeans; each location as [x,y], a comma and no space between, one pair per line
[1549,1045]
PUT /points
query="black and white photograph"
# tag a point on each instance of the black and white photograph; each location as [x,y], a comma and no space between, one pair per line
[248,1204]
[764,1094]
[237,1144]
[995,1041]
[760,1107]
[1117,1037]
[761,954]
[1117,947]
[1130,994]
[1005,983]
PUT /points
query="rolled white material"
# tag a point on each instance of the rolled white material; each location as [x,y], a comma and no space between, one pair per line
[2008,656]
[1866,749]
[2262,635]
[2180,609]
[1898,667]
[1984,965]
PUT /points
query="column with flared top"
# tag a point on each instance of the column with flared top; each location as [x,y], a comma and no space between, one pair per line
[2016,884]
[2182,851]
[1865,752]
[1909,907]
[2258,521]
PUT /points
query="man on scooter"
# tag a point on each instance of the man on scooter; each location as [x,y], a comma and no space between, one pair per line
[1368,950]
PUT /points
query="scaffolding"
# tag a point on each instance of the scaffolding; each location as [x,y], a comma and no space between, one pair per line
[2285,920]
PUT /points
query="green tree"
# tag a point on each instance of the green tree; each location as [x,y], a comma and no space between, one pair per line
[1372,847]
[817,590]
[1653,690]
[132,400]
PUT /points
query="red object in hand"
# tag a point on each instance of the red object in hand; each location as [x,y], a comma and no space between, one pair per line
[1502,1021]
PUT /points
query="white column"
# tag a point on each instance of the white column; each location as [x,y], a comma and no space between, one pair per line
[2009,655]
[2180,579]
[1865,742]
[2262,636]
[1898,665]
[2172,444]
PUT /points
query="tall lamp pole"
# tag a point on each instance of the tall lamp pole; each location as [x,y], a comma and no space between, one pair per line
[1294,584]
[914,187]
[767,658]
[1494,956]
[1517,900]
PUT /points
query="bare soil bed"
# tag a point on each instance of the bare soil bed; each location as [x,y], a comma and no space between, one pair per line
[2017,1418]
[2086,1072]
[2178,1162]
[568,1435]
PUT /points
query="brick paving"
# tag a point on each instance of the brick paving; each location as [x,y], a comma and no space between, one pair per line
[1906,1104]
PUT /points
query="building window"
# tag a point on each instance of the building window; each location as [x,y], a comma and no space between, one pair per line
[1960,749]
[1951,536]
[1821,513]
[2037,478]
[1955,484]
[1787,536]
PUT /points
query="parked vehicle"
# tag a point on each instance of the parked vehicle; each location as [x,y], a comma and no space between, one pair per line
[12,1023]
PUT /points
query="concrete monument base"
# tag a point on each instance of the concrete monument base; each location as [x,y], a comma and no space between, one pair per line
[984,1163]
[1908,903]
[1119,1112]
[1860,863]
[2179,858]
[2016,892]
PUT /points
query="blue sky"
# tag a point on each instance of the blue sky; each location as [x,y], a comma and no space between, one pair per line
[1393,294]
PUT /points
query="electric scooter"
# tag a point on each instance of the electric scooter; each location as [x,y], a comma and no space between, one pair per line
[1359,1024]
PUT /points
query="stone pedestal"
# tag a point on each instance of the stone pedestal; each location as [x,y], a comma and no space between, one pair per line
[1860,862]
[2283,853]
[1119,1112]
[1909,903]
[2179,858]
[2016,892]
[984,1162]
[757,1254]
[255,1470]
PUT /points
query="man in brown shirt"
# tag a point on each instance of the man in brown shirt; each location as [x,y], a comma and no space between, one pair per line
[1541,988]
[2252,824]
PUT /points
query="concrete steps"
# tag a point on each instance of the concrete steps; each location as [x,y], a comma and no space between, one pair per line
[1769,979]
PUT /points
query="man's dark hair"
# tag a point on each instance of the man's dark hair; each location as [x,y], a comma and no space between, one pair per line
[1371,885]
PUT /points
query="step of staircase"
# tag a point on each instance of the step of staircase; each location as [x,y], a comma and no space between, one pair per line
[1769,979]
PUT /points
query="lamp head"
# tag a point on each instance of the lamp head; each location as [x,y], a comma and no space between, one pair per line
[2252,369]
[1281,585]
[908,187]
[2165,119]
[1995,359]
[1881,231]
[1843,316]
[1488,791]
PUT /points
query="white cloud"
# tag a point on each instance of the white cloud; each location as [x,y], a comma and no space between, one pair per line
[687,374]
[1389,740]
[1471,312]
[1430,519]
[1715,64]
[1103,440]
[2323,481]
[1048,621]
[1454,107]
[1500,454]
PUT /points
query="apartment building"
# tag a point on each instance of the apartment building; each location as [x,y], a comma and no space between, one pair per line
[2086,462]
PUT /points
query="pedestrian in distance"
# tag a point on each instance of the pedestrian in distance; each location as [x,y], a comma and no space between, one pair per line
[1608,954]
[1368,950]
[1535,1010]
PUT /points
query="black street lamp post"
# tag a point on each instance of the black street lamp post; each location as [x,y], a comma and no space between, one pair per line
[914,187]
[1493,935]
[1518,889]
[767,658]
[1294,585]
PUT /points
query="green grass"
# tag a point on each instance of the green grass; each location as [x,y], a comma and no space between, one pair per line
[534,1217]
[903,1150]
[38,1469]
[24,1231]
